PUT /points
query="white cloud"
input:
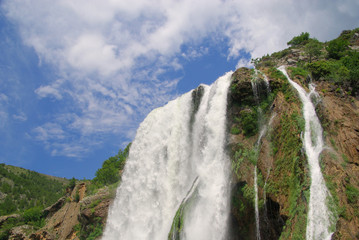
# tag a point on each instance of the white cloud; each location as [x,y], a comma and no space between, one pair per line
[110,54]
[3,110]
[20,117]
[54,90]
[48,132]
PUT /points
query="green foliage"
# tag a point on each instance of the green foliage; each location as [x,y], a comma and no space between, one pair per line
[72,183]
[321,68]
[313,48]
[333,200]
[276,74]
[344,72]
[248,122]
[297,71]
[235,130]
[27,189]
[280,54]
[97,232]
[337,48]
[299,40]
[185,206]
[90,231]
[352,193]
[244,155]
[248,193]
[289,173]
[7,226]
[34,216]
[77,197]
[351,62]
[110,171]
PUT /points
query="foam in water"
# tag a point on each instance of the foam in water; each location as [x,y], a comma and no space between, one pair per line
[319,217]
[174,145]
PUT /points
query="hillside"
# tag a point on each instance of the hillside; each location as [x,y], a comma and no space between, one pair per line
[21,189]
[49,207]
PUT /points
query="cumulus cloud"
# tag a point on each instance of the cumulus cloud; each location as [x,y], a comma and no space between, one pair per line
[111,54]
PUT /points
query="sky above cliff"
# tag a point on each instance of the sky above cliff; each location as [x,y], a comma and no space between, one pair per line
[78,77]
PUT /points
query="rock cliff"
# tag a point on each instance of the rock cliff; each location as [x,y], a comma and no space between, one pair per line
[283,174]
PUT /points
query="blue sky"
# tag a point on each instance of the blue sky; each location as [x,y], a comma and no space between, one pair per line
[78,77]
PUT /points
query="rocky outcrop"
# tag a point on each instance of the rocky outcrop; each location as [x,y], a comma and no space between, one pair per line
[3,219]
[21,232]
[71,217]
[340,118]
[51,210]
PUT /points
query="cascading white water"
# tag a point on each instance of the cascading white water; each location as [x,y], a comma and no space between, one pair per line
[174,145]
[262,132]
[319,217]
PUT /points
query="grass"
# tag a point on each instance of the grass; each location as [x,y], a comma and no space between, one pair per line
[352,193]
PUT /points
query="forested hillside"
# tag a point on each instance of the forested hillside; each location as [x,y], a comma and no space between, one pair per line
[30,201]
[21,189]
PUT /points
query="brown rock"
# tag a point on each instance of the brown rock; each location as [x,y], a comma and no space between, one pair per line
[20,232]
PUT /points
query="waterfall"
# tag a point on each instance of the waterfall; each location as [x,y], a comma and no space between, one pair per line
[319,217]
[262,132]
[175,145]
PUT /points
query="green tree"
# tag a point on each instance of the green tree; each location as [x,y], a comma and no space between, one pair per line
[72,183]
[313,48]
[109,173]
[298,40]
[336,48]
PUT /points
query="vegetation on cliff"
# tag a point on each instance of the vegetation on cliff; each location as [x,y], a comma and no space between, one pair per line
[282,169]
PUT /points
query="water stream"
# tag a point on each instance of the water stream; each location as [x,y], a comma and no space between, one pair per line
[263,129]
[319,217]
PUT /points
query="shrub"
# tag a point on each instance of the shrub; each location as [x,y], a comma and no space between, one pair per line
[34,216]
[281,54]
[109,173]
[321,68]
[351,62]
[72,183]
[235,130]
[248,120]
[276,74]
[298,40]
[313,48]
[336,48]
[298,71]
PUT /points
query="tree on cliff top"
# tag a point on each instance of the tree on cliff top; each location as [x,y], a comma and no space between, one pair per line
[110,171]
[299,40]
